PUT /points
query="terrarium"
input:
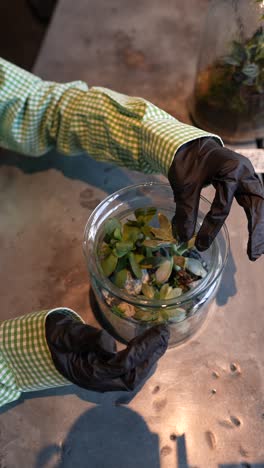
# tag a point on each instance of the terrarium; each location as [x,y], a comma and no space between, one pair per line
[228,97]
[140,274]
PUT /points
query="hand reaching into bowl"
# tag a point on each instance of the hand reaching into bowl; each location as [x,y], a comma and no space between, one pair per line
[203,162]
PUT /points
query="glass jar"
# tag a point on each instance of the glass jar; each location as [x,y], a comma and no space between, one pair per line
[228,97]
[192,305]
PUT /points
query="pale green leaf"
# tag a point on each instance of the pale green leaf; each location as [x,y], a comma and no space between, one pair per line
[135,266]
[109,264]
[120,278]
[148,290]
[122,248]
[164,271]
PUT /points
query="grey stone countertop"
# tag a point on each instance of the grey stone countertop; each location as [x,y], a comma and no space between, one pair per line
[204,406]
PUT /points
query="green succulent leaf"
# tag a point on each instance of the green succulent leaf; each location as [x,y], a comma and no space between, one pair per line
[117,311]
[104,250]
[260,52]
[164,290]
[164,271]
[123,248]
[194,266]
[117,234]
[162,234]
[228,59]
[146,230]
[175,292]
[146,316]
[139,257]
[179,261]
[130,233]
[132,222]
[176,315]
[155,244]
[145,215]
[185,246]
[148,291]
[251,70]
[238,51]
[109,264]
[111,225]
[164,222]
[135,266]
[151,262]
[120,278]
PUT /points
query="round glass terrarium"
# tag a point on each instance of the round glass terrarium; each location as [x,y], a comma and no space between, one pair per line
[184,314]
[228,97]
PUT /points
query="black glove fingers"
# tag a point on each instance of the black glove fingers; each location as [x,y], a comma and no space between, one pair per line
[185,218]
[133,378]
[141,349]
[67,334]
[217,215]
[90,372]
[254,209]
[131,366]
[124,371]
[250,195]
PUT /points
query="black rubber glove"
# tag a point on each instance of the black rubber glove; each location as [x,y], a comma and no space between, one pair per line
[86,356]
[204,162]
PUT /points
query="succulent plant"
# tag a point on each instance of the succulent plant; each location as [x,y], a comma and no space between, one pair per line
[142,257]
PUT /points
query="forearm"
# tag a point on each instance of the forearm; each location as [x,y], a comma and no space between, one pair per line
[36,116]
[25,359]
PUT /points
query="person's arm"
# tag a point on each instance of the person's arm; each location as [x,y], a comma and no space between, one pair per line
[55,348]
[37,115]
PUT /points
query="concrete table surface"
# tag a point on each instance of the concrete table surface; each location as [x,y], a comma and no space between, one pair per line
[204,406]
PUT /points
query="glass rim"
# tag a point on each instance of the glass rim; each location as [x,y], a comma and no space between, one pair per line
[137,301]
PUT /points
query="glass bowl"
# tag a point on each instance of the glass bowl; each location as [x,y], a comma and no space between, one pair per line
[193,305]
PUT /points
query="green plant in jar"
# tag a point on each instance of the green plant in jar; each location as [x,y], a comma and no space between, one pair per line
[142,257]
[229,90]
[231,80]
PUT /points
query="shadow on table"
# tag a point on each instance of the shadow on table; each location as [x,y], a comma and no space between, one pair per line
[242,465]
[117,437]
[107,437]
[227,287]
[114,398]
[105,176]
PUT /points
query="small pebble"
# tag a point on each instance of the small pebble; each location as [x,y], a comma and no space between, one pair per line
[235,368]
[173,437]
[235,421]
[211,439]
[156,389]
[215,374]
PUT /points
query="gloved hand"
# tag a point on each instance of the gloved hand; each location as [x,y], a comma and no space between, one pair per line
[203,162]
[86,356]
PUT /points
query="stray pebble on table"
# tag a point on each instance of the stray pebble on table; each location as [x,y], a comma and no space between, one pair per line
[156,389]
[235,368]
[210,439]
[166,450]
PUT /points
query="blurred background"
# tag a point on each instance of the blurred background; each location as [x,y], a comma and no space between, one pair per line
[23,26]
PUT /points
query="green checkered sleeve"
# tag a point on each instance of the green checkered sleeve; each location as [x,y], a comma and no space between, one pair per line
[37,115]
[25,360]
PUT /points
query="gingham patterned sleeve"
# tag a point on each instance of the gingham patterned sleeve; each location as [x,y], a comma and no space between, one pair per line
[37,115]
[25,359]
